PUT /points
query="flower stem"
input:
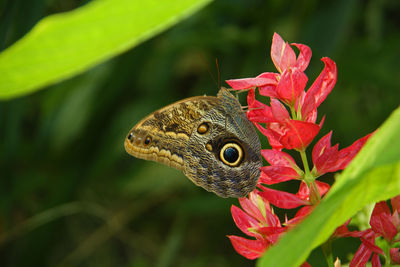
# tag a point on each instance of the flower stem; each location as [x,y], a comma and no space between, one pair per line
[386,251]
[309,179]
[293,112]
[327,250]
[305,164]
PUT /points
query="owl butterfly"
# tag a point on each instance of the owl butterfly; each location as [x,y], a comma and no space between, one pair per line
[208,138]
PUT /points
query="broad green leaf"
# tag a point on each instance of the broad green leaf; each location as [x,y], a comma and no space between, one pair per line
[374,175]
[65,44]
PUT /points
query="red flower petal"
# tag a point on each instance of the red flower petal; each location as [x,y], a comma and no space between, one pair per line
[298,134]
[250,249]
[269,75]
[358,234]
[300,215]
[375,261]
[271,230]
[381,207]
[278,110]
[312,117]
[371,246]
[277,47]
[246,83]
[273,138]
[304,211]
[304,57]
[291,85]
[282,54]
[251,100]
[321,122]
[324,84]
[307,107]
[282,199]
[259,209]
[342,230]
[272,234]
[270,88]
[243,221]
[320,146]
[304,191]
[396,203]
[329,159]
[251,209]
[258,112]
[394,256]
[275,157]
[381,221]
[266,78]
[323,188]
[382,224]
[348,153]
[396,219]
[272,219]
[277,174]
[361,257]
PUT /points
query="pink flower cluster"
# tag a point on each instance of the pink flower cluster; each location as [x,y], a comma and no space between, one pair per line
[384,224]
[289,121]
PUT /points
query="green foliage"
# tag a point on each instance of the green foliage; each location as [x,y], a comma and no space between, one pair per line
[69,193]
[373,176]
[66,44]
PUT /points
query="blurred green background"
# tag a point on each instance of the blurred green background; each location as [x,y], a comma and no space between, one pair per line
[71,196]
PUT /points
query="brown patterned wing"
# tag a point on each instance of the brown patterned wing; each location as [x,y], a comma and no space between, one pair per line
[208,138]
[163,135]
[226,159]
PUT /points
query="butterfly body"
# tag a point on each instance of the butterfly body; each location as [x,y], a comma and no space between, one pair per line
[208,138]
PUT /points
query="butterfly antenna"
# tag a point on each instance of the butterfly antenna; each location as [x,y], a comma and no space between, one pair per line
[219,75]
[208,69]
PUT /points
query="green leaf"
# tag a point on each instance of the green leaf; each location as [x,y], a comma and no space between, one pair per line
[374,175]
[65,44]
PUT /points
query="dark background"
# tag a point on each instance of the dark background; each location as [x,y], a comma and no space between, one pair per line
[71,196]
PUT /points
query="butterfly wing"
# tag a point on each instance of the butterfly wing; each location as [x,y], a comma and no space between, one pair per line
[163,135]
[225,159]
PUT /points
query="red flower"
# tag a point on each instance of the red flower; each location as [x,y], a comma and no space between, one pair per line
[395,256]
[292,80]
[250,249]
[289,134]
[258,221]
[265,79]
[284,57]
[288,86]
[283,167]
[289,121]
[287,200]
[364,252]
[281,131]
[330,159]
[382,221]
[343,231]
[319,90]
[383,224]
